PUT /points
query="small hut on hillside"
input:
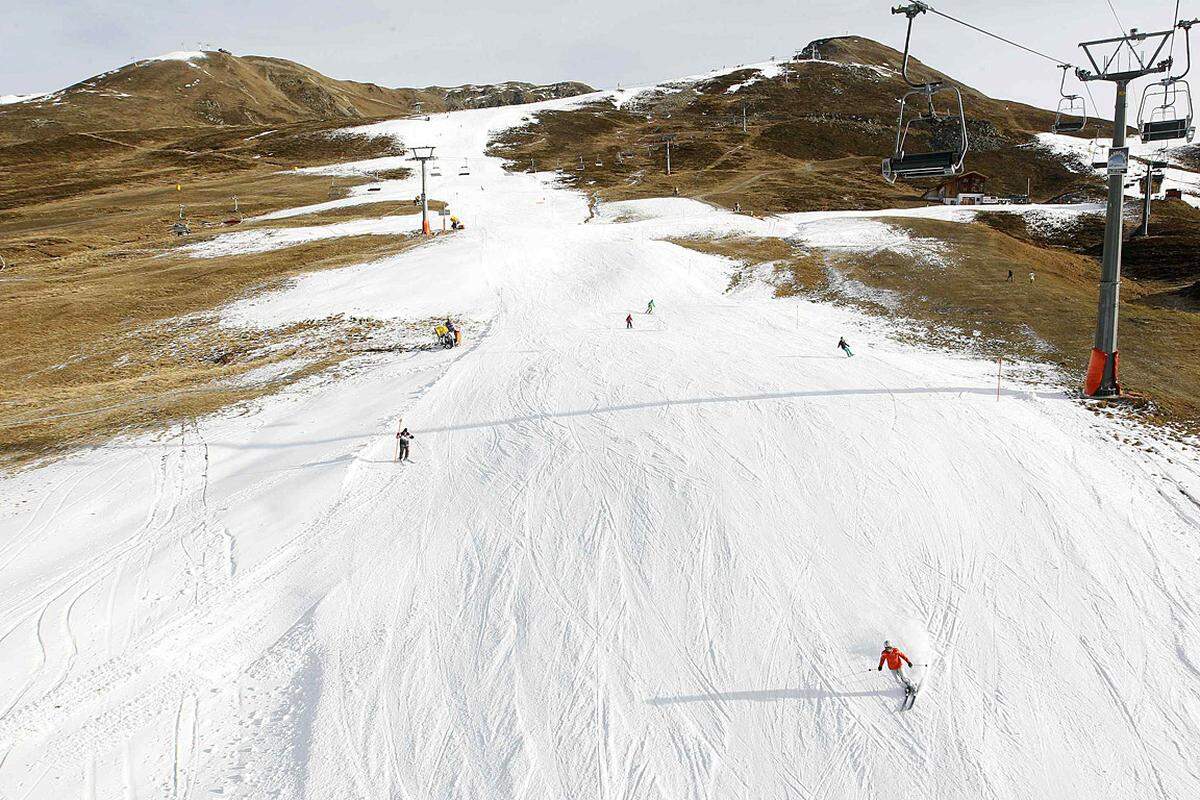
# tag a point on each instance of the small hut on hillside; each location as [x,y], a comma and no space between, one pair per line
[966,189]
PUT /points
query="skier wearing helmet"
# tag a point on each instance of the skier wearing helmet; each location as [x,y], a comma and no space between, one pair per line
[896,660]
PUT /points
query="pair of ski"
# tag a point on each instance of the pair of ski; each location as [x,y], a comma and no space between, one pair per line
[910,697]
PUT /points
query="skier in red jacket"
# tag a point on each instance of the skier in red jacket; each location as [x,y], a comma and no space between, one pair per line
[896,660]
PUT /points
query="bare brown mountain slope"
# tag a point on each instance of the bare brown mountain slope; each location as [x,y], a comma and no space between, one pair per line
[218,88]
[817,131]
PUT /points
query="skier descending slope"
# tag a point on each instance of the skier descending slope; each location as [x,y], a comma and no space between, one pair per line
[403,438]
[896,660]
[844,346]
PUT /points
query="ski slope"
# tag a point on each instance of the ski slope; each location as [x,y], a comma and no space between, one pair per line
[656,563]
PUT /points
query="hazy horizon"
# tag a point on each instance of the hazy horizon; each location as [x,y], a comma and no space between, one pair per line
[618,43]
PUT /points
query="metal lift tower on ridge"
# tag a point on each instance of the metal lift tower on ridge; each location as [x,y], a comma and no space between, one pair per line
[1101,379]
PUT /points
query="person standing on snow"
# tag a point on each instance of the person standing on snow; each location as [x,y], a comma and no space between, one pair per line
[402,440]
[629,320]
[650,307]
[450,326]
[896,661]
[844,347]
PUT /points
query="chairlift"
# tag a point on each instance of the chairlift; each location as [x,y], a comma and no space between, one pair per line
[943,163]
[1071,114]
[1097,153]
[1166,110]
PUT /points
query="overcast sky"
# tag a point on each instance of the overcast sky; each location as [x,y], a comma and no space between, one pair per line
[50,45]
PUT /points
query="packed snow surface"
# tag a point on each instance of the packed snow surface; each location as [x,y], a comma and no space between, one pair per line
[261,240]
[180,55]
[647,563]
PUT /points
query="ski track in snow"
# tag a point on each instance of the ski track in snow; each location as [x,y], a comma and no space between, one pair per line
[655,563]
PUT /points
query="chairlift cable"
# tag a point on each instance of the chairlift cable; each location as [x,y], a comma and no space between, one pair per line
[1088,88]
[1120,25]
[997,36]
[1174,29]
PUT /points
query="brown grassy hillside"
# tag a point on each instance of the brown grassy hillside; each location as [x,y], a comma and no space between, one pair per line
[218,88]
[817,133]
[107,326]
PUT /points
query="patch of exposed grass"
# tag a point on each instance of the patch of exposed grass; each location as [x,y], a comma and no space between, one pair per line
[107,329]
[101,344]
[794,270]
[347,213]
[1051,319]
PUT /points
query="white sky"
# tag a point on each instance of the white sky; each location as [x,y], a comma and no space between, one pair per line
[50,45]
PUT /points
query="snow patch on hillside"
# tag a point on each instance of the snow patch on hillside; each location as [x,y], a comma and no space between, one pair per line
[265,239]
[1082,152]
[1053,222]
[10,99]
[864,235]
[180,55]
[772,70]
[358,169]
[876,71]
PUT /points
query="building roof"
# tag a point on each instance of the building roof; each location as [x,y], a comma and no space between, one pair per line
[964,175]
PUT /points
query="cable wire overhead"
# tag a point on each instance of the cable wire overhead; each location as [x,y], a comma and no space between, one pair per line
[996,36]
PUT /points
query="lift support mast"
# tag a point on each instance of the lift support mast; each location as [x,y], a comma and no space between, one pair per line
[1101,380]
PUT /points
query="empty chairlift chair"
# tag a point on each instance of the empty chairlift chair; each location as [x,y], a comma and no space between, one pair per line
[1166,110]
[1098,152]
[1071,114]
[929,163]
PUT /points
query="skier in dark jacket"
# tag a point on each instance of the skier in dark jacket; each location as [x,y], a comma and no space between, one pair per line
[402,440]
[844,347]
[629,320]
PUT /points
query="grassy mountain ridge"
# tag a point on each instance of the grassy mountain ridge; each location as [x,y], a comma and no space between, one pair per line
[817,131]
[218,88]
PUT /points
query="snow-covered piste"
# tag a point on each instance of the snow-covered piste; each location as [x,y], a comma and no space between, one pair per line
[647,563]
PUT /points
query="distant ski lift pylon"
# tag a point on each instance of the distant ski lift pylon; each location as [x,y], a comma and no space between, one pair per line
[1071,114]
[936,163]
